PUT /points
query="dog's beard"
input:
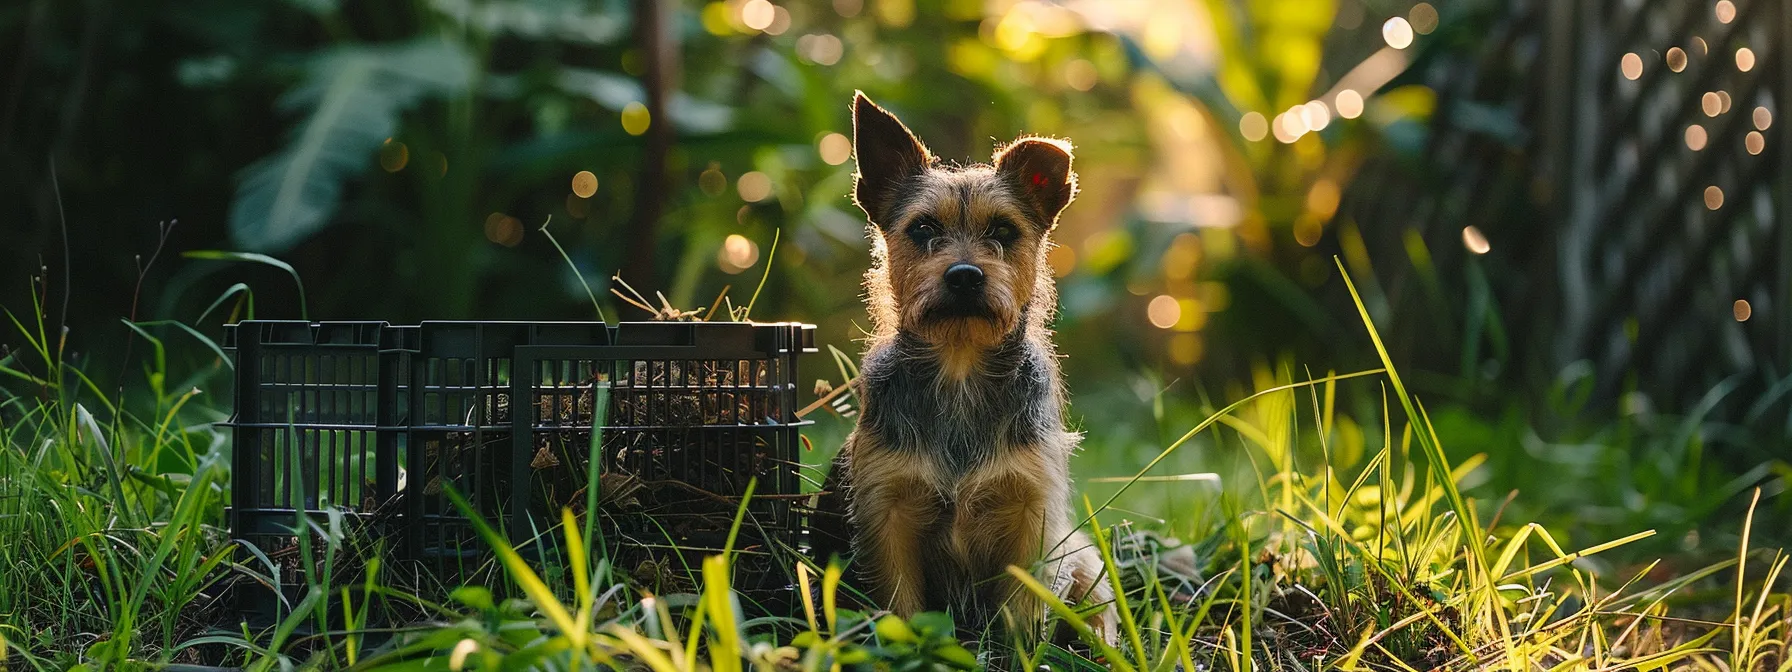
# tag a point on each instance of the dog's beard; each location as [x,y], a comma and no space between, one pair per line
[952,322]
[973,307]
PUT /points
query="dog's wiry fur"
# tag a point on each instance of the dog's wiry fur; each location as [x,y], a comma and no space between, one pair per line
[959,466]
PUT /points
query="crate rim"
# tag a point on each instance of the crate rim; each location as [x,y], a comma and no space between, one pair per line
[805,344]
[750,323]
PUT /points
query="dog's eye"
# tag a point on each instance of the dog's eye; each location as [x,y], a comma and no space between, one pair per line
[923,231]
[1003,231]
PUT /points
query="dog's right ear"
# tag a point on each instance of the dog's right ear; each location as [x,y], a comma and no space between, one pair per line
[887,155]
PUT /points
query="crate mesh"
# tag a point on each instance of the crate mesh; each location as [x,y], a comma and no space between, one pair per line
[378,421]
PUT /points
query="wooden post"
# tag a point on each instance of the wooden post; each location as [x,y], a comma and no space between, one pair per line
[658,46]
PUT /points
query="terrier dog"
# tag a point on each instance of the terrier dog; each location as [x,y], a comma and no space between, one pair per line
[959,465]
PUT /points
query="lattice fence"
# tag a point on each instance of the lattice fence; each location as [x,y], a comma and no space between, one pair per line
[1675,255]
[1641,192]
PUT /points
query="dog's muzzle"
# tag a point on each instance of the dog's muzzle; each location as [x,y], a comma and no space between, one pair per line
[964,295]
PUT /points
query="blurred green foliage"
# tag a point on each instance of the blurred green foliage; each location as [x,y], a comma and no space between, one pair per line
[403,157]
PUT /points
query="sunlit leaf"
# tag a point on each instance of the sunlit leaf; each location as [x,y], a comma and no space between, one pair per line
[351,97]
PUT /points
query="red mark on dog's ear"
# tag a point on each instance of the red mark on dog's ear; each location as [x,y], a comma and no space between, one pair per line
[1040,167]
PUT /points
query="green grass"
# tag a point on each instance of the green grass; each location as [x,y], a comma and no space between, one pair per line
[1321,539]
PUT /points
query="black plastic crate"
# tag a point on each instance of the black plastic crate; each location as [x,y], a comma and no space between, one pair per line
[374,420]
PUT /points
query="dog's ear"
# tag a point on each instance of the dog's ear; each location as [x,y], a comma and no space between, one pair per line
[1040,169]
[887,155]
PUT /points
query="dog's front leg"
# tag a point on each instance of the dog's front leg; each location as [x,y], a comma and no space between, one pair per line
[1001,521]
[1016,512]
[893,507]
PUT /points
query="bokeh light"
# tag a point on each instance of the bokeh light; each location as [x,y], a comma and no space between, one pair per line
[711,181]
[1279,127]
[1193,317]
[1714,197]
[1350,104]
[394,155]
[1253,126]
[1185,348]
[1164,311]
[1676,59]
[738,253]
[1315,116]
[584,184]
[780,21]
[835,149]
[821,49]
[635,118]
[1741,310]
[1745,59]
[1631,65]
[717,19]
[757,14]
[895,13]
[1762,118]
[1423,17]
[1755,143]
[1308,229]
[1696,137]
[1711,104]
[1289,126]
[1475,241]
[1323,198]
[1726,11]
[1014,31]
[1397,32]
[503,229]
[1080,74]
[754,187]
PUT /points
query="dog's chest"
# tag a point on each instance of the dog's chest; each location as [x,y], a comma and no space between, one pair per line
[1012,404]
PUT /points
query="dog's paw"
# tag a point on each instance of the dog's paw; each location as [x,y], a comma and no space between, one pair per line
[1086,584]
[1105,624]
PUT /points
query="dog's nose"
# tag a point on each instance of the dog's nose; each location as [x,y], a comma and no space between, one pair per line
[964,278]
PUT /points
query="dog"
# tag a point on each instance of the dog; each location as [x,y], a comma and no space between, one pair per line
[958,467]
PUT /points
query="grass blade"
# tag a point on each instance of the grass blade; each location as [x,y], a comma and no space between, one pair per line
[575,269]
[251,257]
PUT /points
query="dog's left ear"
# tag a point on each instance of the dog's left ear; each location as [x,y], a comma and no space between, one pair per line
[1040,169]
[888,156]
